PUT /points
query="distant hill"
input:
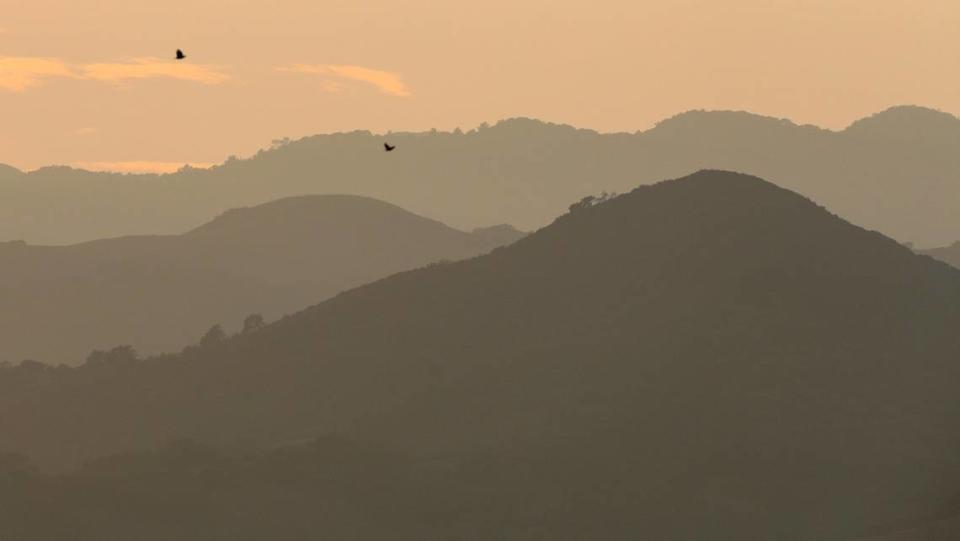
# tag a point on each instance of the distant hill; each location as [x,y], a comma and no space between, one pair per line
[947,254]
[9,173]
[161,293]
[709,357]
[894,172]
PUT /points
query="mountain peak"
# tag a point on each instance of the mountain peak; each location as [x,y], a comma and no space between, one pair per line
[907,121]
[719,191]
[520,122]
[700,117]
[522,125]
[319,210]
[8,171]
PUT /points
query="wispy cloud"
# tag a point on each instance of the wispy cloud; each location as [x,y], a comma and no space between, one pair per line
[85,131]
[140,166]
[387,82]
[151,68]
[20,73]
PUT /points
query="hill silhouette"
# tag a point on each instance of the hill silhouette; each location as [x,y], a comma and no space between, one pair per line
[947,254]
[161,293]
[892,172]
[708,354]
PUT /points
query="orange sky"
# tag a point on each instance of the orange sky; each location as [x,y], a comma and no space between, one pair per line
[90,81]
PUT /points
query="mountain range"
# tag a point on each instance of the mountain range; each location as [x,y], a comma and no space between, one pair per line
[708,354]
[895,172]
[161,293]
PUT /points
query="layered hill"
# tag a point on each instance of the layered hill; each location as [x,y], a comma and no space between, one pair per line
[894,172]
[708,357]
[947,254]
[161,293]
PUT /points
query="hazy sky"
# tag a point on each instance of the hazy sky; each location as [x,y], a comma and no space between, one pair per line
[90,81]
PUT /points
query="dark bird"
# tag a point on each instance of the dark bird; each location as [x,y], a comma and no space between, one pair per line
[180,55]
[388,148]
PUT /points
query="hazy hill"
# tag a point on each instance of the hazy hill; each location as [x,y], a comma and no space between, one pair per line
[160,293]
[895,172]
[947,254]
[712,356]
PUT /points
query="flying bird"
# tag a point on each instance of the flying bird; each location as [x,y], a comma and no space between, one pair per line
[180,55]
[388,148]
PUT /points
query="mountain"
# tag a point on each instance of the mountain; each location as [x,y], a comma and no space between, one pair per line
[161,293]
[712,356]
[947,254]
[8,173]
[344,489]
[894,172]
[908,123]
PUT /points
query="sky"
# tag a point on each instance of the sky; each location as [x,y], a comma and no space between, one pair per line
[93,83]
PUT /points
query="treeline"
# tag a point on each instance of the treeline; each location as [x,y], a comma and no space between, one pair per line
[123,355]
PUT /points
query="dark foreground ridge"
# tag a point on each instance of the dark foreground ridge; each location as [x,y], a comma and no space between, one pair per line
[708,357]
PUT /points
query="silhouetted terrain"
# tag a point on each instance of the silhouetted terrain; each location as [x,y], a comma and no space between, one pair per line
[937,528]
[710,354]
[947,254]
[346,490]
[160,293]
[894,172]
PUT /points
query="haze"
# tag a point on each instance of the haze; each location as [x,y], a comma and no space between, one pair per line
[92,84]
[428,270]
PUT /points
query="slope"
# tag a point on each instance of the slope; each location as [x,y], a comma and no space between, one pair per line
[160,293]
[709,354]
[947,254]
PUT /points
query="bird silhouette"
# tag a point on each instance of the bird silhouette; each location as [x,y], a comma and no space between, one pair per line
[388,148]
[180,55]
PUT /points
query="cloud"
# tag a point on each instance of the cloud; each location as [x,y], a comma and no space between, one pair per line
[150,68]
[387,82]
[140,166]
[20,73]
[85,131]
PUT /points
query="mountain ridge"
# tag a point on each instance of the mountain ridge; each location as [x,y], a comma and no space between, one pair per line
[523,172]
[712,353]
[948,254]
[159,293]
